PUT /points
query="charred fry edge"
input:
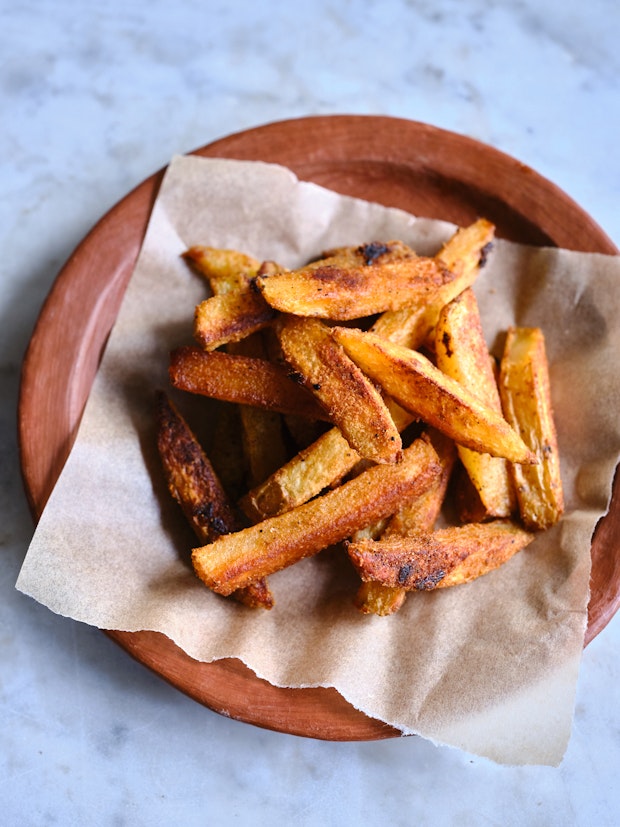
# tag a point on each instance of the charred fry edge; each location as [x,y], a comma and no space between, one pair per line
[193,483]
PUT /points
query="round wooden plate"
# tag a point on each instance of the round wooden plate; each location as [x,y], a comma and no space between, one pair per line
[416,167]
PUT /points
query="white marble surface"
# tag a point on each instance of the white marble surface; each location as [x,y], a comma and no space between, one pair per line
[94,99]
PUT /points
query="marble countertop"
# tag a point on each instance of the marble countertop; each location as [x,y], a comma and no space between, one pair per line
[96,99]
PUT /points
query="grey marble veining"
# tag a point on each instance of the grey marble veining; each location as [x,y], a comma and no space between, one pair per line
[93,100]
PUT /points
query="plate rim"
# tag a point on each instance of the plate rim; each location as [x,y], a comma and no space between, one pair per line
[139,202]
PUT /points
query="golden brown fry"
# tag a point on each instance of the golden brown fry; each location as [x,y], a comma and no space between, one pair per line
[261,429]
[416,384]
[377,599]
[234,560]
[352,402]
[225,270]
[526,398]
[462,353]
[321,465]
[465,253]
[229,317]
[194,485]
[335,290]
[418,515]
[421,513]
[449,556]
[240,379]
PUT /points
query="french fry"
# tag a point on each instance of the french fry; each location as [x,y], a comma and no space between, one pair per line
[418,386]
[331,289]
[526,399]
[261,429]
[464,254]
[241,379]
[230,317]
[350,399]
[321,465]
[226,450]
[462,353]
[226,270]
[418,515]
[234,560]
[193,483]
[448,556]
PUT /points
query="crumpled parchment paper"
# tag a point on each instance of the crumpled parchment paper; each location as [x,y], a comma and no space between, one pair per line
[490,667]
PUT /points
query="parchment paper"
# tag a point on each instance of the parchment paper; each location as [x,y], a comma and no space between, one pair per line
[490,667]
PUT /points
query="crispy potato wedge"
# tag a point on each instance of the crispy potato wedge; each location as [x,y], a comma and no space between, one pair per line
[241,379]
[332,289]
[526,399]
[465,253]
[229,317]
[193,483]
[352,402]
[226,270]
[234,560]
[418,386]
[423,561]
[462,353]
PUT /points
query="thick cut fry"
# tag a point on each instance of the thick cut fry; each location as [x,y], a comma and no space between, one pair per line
[321,465]
[425,560]
[261,430]
[194,485]
[418,515]
[234,560]
[352,402]
[465,253]
[335,290]
[526,398]
[462,353]
[416,384]
[226,450]
[229,317]
[240,379]
[225,270]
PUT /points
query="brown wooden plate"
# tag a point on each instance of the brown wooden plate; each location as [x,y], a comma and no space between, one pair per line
[419,168]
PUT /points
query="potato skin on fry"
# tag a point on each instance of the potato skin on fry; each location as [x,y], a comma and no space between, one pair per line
[236,559]
[428,560]
[193,483]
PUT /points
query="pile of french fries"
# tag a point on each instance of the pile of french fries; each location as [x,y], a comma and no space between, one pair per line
[363,406]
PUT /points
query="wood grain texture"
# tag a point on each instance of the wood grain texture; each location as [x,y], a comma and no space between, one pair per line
[416,167]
